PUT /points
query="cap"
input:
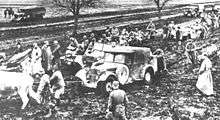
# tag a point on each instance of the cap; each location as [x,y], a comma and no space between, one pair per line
[55,42]
[84,36]
[46,42]
[18,43]
[201,57]
[72,38]
[34,44]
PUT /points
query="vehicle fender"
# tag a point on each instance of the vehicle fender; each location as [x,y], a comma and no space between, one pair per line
[153,64]
[145,68]
[79,59]
[105,75]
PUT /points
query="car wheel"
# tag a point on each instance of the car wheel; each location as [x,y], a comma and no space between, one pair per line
[105,87]
[149,76]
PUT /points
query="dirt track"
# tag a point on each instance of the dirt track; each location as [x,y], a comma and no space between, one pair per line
[61,28]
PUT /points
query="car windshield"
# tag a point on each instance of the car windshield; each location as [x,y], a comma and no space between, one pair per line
[120,58]
[111,57]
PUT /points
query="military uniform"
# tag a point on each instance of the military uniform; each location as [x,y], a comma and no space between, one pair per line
[46,57]
[36,66]
[56,82]
[56,54]
[57,86]
[191,52]
[117,104]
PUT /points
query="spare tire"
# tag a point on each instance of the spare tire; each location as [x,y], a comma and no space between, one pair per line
[105,87]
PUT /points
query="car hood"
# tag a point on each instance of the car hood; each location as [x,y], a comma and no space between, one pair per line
[106,66]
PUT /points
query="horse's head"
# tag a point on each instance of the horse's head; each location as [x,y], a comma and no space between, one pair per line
[25,66]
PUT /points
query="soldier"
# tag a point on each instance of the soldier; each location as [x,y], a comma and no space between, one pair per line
[151,28]
[159,54]
[191,52]
[6,12]
[216,21]
[85,43]
[179,49]
[19,48]
[171,27]
[92,38]
[106,40]
[115,34]
[36,65]
[56,85]
[10,13]
[178,34]
[117,103]
[123,37]
[73,47]
[165,31]
[205,80]
[46,57]
[140,36]
[56,54]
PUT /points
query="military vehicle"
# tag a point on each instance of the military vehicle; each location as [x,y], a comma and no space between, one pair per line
[123,63]
[30,13]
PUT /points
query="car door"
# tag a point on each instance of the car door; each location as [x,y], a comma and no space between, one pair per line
[137,66]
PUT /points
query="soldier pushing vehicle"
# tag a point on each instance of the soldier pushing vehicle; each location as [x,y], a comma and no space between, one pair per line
[56,86]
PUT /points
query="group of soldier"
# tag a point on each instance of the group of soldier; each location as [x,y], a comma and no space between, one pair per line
[46,60]
[44,64]
[8,13]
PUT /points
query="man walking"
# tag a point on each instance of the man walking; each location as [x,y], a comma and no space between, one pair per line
[205,81]
[191,52]
[117,103]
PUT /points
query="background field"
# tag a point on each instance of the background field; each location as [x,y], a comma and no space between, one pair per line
[109,1]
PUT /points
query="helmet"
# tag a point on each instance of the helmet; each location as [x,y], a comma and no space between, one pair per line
[55,42]
[115,85]
[46,42]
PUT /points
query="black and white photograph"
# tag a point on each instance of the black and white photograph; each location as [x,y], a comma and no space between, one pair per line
[109,59]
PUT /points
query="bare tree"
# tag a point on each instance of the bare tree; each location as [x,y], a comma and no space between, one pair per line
[74,7]
[160,5]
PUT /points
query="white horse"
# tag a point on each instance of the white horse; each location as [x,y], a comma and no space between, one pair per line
[12,83]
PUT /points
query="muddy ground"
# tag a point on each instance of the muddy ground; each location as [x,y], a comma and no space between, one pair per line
[175,98]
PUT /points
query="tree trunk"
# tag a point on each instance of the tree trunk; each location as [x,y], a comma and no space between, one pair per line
[76,18]
[159,13]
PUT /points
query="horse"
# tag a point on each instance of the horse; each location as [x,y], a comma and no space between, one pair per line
[18,82]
